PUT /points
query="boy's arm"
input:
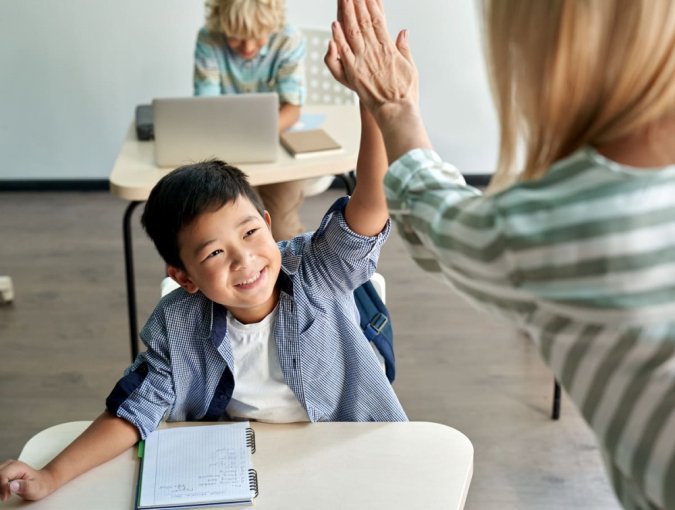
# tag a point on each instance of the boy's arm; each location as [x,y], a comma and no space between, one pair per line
[206,73]
[104,439]
[367,213]
[289,114]
[290,77]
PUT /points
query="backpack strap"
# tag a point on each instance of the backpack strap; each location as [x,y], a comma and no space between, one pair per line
[376,325]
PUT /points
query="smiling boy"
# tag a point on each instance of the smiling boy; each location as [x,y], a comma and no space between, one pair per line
[260,330]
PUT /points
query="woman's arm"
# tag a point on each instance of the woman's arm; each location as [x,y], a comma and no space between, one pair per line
[104,439]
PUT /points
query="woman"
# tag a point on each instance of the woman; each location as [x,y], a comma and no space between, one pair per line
[580,250]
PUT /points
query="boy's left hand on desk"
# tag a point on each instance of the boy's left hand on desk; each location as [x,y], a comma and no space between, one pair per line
[19,478]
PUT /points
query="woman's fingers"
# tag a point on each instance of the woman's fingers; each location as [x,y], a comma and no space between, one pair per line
[332,61]
[378,21]
[342,47]
[367,60]
[349,24]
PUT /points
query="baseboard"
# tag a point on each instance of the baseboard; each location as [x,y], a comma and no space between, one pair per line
[104,184]
[477,180]
[55,185]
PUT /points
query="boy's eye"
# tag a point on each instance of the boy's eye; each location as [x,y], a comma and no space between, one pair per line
[250,232]
[214,253]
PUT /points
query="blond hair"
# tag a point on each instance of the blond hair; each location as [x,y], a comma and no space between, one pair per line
[245,19]
[566,73]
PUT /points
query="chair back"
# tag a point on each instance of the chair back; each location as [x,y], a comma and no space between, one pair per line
[321,86]
[321,89]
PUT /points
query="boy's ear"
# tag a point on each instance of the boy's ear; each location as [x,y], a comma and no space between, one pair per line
[268,219]
[182,279]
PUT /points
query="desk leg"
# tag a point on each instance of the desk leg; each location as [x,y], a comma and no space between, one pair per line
[555,412]
[131,283]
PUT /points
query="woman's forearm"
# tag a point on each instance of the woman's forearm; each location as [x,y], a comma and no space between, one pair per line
[402,129]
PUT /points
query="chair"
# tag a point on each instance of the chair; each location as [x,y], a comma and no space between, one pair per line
[169,284]
[322,89]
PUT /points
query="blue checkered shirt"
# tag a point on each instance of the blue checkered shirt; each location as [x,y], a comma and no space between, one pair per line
[278,67]
[186,373]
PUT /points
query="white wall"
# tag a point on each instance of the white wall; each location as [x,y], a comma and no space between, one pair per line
[73,71]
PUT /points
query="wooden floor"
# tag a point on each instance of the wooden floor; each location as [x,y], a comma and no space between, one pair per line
[64,342]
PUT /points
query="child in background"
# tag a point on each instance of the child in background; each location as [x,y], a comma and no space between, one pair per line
[246,46]
[259,330]
[580,252]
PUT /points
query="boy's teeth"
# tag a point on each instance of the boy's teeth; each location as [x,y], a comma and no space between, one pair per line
[254,278]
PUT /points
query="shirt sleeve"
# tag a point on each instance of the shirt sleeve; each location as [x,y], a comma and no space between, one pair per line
[206,77]
[145,393]
[290,78]
[338,258]
[451,228]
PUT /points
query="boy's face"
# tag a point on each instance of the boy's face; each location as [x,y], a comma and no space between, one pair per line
[231,256]
[247,48]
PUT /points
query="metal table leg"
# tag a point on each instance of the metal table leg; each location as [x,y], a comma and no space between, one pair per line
[131,283]
[555,411]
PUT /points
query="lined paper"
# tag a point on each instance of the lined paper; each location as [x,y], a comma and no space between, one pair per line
[202,464]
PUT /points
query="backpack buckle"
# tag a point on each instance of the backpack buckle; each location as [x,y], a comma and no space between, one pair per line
[378,323]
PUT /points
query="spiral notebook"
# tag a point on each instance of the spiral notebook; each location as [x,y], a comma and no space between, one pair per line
[193,467]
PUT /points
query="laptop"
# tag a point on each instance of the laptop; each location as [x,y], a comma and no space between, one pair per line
[237,128]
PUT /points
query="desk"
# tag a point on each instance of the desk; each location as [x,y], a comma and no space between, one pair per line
[135,173]
[322,466]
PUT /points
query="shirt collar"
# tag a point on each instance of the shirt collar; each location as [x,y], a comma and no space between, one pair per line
[262,53]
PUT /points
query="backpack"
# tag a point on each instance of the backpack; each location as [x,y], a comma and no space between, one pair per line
[376,325]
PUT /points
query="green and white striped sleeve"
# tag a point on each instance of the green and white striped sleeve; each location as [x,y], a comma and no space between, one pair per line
[451,228]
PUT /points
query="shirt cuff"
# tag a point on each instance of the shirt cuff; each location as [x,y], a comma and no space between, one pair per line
[349,245]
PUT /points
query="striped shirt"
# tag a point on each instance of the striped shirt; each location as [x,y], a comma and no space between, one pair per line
[583,260]
[278,67]
[188,373]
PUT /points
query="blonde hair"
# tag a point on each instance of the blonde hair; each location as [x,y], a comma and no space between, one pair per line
[245,19]
[566,73]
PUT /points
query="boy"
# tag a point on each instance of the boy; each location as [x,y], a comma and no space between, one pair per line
[247,47]
[259,330]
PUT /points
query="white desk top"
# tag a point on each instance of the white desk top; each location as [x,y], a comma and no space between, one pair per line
[135,173]
[323,466]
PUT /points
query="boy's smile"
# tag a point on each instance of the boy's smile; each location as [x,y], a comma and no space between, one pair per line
[230,255]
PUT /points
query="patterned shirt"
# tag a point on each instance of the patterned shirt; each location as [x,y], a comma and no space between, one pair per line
[187,371]
[583,260]
[278,67]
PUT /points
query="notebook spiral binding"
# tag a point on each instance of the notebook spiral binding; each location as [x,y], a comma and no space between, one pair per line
[253,481]
[250,439]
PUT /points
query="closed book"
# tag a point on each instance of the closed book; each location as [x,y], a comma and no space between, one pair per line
[313,142]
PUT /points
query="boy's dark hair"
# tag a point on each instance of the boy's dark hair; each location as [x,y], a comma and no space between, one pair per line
[185,193]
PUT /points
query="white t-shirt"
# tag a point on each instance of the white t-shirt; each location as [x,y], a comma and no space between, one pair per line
[260,392]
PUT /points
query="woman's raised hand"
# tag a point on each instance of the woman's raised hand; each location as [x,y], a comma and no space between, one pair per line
[362,57]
